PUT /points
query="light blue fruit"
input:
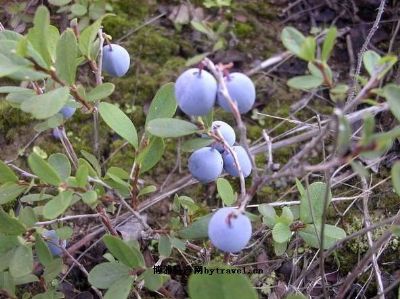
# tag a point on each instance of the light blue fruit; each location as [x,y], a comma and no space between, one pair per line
[54,243]
[116,60]
[206,164]
[195,92]
[57,133]
[243,159]
[229,230]
[226,131]
[242,91]
[67,111]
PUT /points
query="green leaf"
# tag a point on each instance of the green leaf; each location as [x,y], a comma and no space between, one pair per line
[305,82]
[78,9]
[392,95]
[196,230]
[66,53]
[308,48]
[59,2]
[286,216]
[88,36]
[170,127]
[281,232]
[61,165]
[10,191]
[329,43]
[93,161]
[25,279]
[371,61]
[151,154]
[10,225]
[6,174]
[21,262]
[100,92]
[82,174]
[164,246]
[104,275]
[359,169]
[52,269]
[27,216]
[312,206]
[127,255]
[280,248]
[7,282]
[153,281]
[90,197]
[56,206]
[269,214]
[119,122]
[164,103]
[225,190]
[30,198]
[332,234]
[64,232]
[47,104]
[43,170]
[221,286]
[39,34]
[196,143]
[120,289]
[344,134]
[42,250]
[396,177]
[147,190]
[292,39]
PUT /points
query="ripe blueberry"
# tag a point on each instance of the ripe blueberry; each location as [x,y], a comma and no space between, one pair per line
[243,159]
[54,243]
[195,92]
[57,133]
[205,164]
[116,60]
[226,131]
[242,91]
[67,111]
[229,230]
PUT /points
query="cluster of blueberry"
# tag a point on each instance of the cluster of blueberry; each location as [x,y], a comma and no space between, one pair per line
[206,164]
[115,62]
[196,92]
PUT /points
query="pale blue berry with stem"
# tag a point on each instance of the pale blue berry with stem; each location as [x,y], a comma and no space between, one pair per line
[229,230]
[54,243]
[241,90]
[205,164]
[243,159]
[57,134]
[116,60]
[67,111]
[227,133]
[196,92]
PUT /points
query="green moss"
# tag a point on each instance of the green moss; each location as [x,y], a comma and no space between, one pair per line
[243,30]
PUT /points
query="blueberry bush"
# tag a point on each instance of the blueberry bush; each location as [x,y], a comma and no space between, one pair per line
[46,70]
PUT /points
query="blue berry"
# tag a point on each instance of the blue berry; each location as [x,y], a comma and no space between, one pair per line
[67,111]
[195,92]
[206,164]
[226,131]
[242,91]
[243,159]
[229,230]
[57,133]
[54,243]
[116,60]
